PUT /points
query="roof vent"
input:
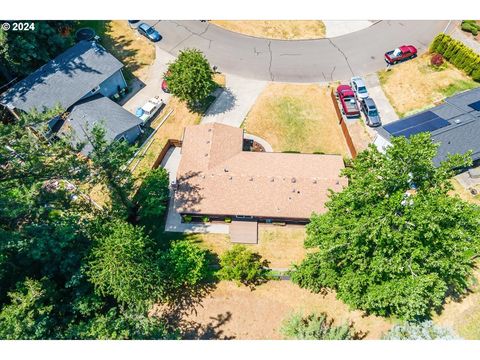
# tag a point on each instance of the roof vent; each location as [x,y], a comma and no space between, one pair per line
[337,182]
[230,178]
[272,179]
[314,181]
[251,178]
[226,170]
[457,121]
[294,180]
[208,141]
[209,129]
[206,154]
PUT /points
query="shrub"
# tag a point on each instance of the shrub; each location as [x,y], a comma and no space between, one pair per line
[436,60]
[243,266]
[470,26]
[205,219]
[458,54]
[187,218]
[315,327]
[228,220]
[426,330]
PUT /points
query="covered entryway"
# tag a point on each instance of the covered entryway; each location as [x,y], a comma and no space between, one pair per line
[244,232]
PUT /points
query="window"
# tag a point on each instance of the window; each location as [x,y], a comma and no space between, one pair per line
[95,89]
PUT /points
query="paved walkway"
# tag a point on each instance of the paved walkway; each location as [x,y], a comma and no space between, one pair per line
[334,28]
[465,38]
[235,101]
[387,113]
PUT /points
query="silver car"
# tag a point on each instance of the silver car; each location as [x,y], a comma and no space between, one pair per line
[359,87]
[369,108]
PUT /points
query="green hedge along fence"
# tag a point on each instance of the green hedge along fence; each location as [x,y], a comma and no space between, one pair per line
[458,54]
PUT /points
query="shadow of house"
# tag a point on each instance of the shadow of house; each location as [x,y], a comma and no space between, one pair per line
[84,71]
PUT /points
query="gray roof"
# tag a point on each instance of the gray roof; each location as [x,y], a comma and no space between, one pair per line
[64,80]
[463,132]
[98,109]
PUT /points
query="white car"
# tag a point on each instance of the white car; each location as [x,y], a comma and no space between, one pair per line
[358,85]
[147,111]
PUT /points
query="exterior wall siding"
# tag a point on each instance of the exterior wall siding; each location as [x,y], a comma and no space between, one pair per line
[110,86]
[131,135]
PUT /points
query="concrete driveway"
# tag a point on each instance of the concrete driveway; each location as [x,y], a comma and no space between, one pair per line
[233,104]
[338,58]
[375,91]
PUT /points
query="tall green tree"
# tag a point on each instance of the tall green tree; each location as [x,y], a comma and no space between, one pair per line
[28,316]
[22,52]
[394,242]
[152,195]
[123,265]
[190,77]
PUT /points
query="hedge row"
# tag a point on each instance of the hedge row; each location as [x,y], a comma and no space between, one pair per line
[458,54]
[470,26]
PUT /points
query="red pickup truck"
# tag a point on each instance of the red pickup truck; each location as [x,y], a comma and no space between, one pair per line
[401,53]
[346,96]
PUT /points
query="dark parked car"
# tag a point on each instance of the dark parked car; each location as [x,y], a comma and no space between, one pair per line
[133,23]
[371,112]
[149,32]
[401,53]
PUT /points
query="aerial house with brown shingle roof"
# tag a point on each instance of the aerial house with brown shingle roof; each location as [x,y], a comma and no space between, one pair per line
[216,178]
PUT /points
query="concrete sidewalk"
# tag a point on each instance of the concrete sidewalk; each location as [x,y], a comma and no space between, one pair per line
[387,113]
[334,28]
[465,38]
[235,101]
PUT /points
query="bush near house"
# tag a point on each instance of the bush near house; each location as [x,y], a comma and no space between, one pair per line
[458,54]
[426,330]
[243,266]
[470,26]
[436,60]
[315,327]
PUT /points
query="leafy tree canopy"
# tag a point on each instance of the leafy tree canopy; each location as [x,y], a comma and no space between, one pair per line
[243,266]
[394,242]
[22,52]
[190,77]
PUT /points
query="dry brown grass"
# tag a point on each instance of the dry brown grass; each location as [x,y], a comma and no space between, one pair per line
[414,85]
[281,246]
[132,49]
[465,194]
[276,29]
[259,314]
[296,117]
[171,129]
[464,315]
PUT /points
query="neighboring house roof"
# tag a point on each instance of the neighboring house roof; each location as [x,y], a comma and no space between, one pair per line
[97,109]
[455,125]
[216,177]
[64,80]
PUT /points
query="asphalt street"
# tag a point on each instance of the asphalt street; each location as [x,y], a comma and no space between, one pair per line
[320,60]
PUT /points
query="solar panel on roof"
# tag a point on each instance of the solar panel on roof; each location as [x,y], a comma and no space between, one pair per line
[475,105]
[427,121]
[414,120]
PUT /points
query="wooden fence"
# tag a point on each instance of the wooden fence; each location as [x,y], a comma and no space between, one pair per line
[344,127]
[166,147]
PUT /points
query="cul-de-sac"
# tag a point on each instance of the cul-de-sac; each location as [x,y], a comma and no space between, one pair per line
[209,179]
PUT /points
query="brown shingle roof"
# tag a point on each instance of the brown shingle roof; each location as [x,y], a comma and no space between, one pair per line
[216,177]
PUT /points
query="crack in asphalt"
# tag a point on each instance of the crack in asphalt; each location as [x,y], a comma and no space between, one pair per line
[192,33]
[272,78]
[331,74]
[177,45]
[345,56]
[287,54]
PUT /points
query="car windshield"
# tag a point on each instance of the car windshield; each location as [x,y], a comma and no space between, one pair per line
[150,30]
[362,89]
[373,112]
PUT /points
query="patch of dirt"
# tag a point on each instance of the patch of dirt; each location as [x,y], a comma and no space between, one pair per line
[276,29]
[237,313]
[359,134]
